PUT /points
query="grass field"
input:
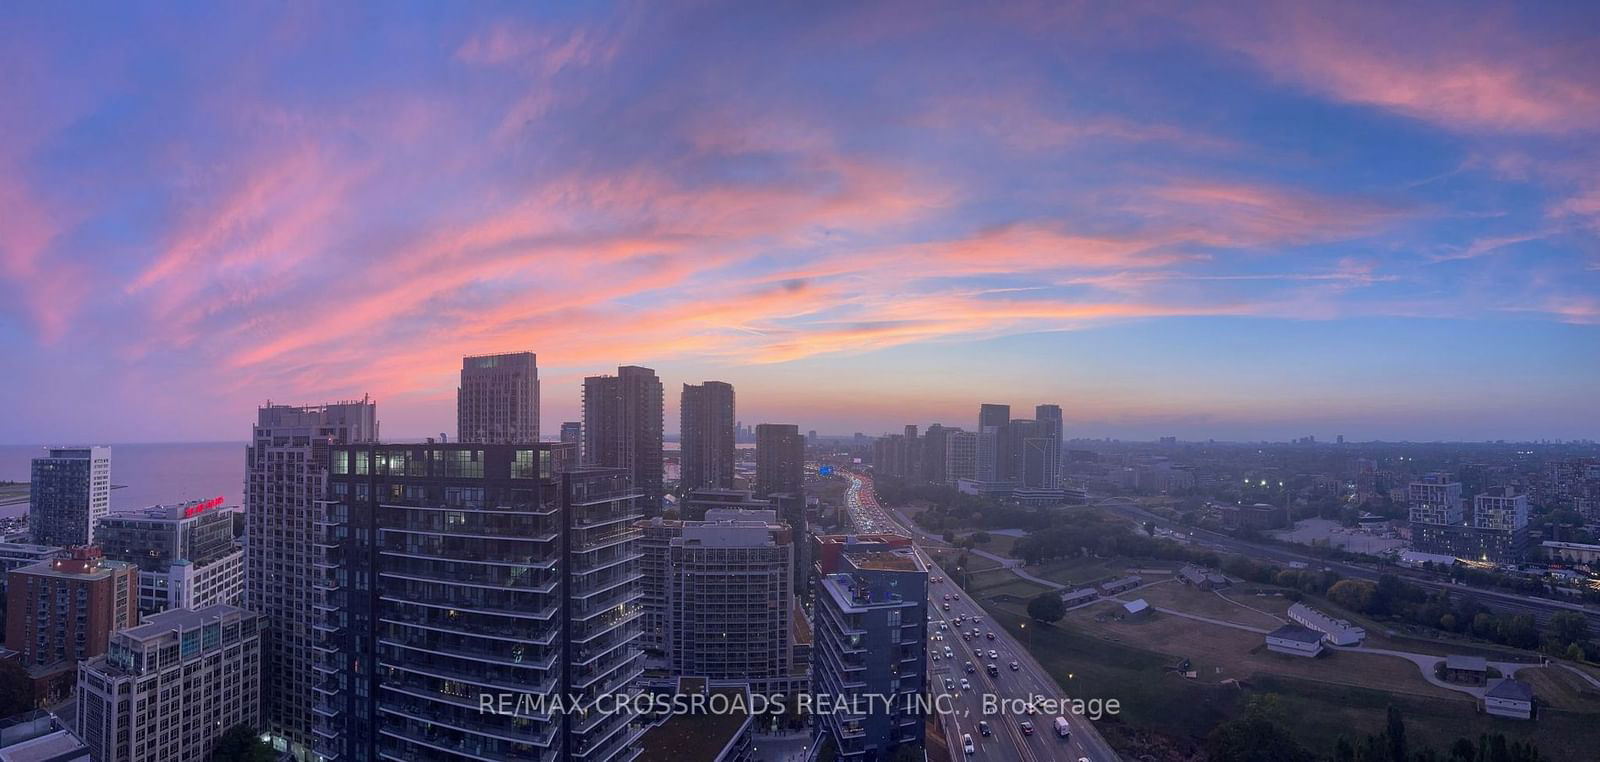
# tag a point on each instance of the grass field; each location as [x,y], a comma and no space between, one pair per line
[1338,694]
[1176,595]
[1000,545]
[946,558]
[1075,572]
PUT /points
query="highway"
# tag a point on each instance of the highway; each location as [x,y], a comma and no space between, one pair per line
[1007,741]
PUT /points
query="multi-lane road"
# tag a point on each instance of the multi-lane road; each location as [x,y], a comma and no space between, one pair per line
[1007,741]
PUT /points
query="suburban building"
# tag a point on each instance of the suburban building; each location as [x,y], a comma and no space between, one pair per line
[780,459]
[1336,631]
[706,446]
[70,489]
[1201,577]
[186,554]
[448,571]
[286,473]
[1136,609]
[622,428]
[498,399]
[1079,596]
[1121,585]
[39,736]
[1295,640]
[1470,670]
[169,688]
[1509,698]
[62,611]
[870,631]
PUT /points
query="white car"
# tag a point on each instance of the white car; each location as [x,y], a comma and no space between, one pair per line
[965,684]
[966,744]
[993,654]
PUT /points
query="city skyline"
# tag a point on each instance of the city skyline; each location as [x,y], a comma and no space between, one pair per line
[1239,222]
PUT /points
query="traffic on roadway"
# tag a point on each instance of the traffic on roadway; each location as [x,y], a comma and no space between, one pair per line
[973,659]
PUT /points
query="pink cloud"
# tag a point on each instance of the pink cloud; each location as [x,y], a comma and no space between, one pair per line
[1470,72]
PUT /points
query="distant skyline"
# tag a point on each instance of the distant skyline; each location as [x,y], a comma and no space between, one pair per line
[1239,220]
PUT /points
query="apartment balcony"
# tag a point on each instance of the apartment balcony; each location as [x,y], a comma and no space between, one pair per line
[474,740]
[542,615]
[455,651]
[527,562]
[543,636]
[427,671]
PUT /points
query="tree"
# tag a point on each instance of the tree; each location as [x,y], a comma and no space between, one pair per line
[980,538]
[1047,607]
[1259,735]
[241,744]
[1567,628]
[1352,594]
[1397,735]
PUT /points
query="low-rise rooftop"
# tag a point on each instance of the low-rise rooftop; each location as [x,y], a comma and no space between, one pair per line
[697,736]
[1510,690]
[1296,633]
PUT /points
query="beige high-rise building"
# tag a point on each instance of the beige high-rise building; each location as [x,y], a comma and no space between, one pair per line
[286,473]
[498,400]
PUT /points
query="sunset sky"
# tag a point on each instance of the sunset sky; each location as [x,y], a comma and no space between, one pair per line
[1232,220]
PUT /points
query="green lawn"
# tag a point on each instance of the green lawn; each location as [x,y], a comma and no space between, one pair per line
[1185,711]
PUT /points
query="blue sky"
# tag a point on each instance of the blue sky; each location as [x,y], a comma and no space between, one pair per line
[1236,220]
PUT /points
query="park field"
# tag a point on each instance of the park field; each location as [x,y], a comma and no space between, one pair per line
[1339,694]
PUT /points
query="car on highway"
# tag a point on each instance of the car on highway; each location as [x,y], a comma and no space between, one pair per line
[946,607]
[971,669]
[1027,728]
[993,654]
[949,684]
[949,654]
[966,744]
[992,670]
[1015,666]
[965,684]
[955,597]
[947,596]
[983,727]
[990,636]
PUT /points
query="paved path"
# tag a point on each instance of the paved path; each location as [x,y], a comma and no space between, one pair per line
[1580,673]
[1427,663]
[1242,605]
[1016,568]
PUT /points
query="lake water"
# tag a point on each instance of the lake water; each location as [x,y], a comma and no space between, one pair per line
[148,474]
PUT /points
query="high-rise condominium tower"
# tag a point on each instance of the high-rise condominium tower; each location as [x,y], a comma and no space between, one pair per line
[622,420]
[286,472]
[498,400]
[996,420]
[71,490]
[454,571]
[780,459]
[706,426]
